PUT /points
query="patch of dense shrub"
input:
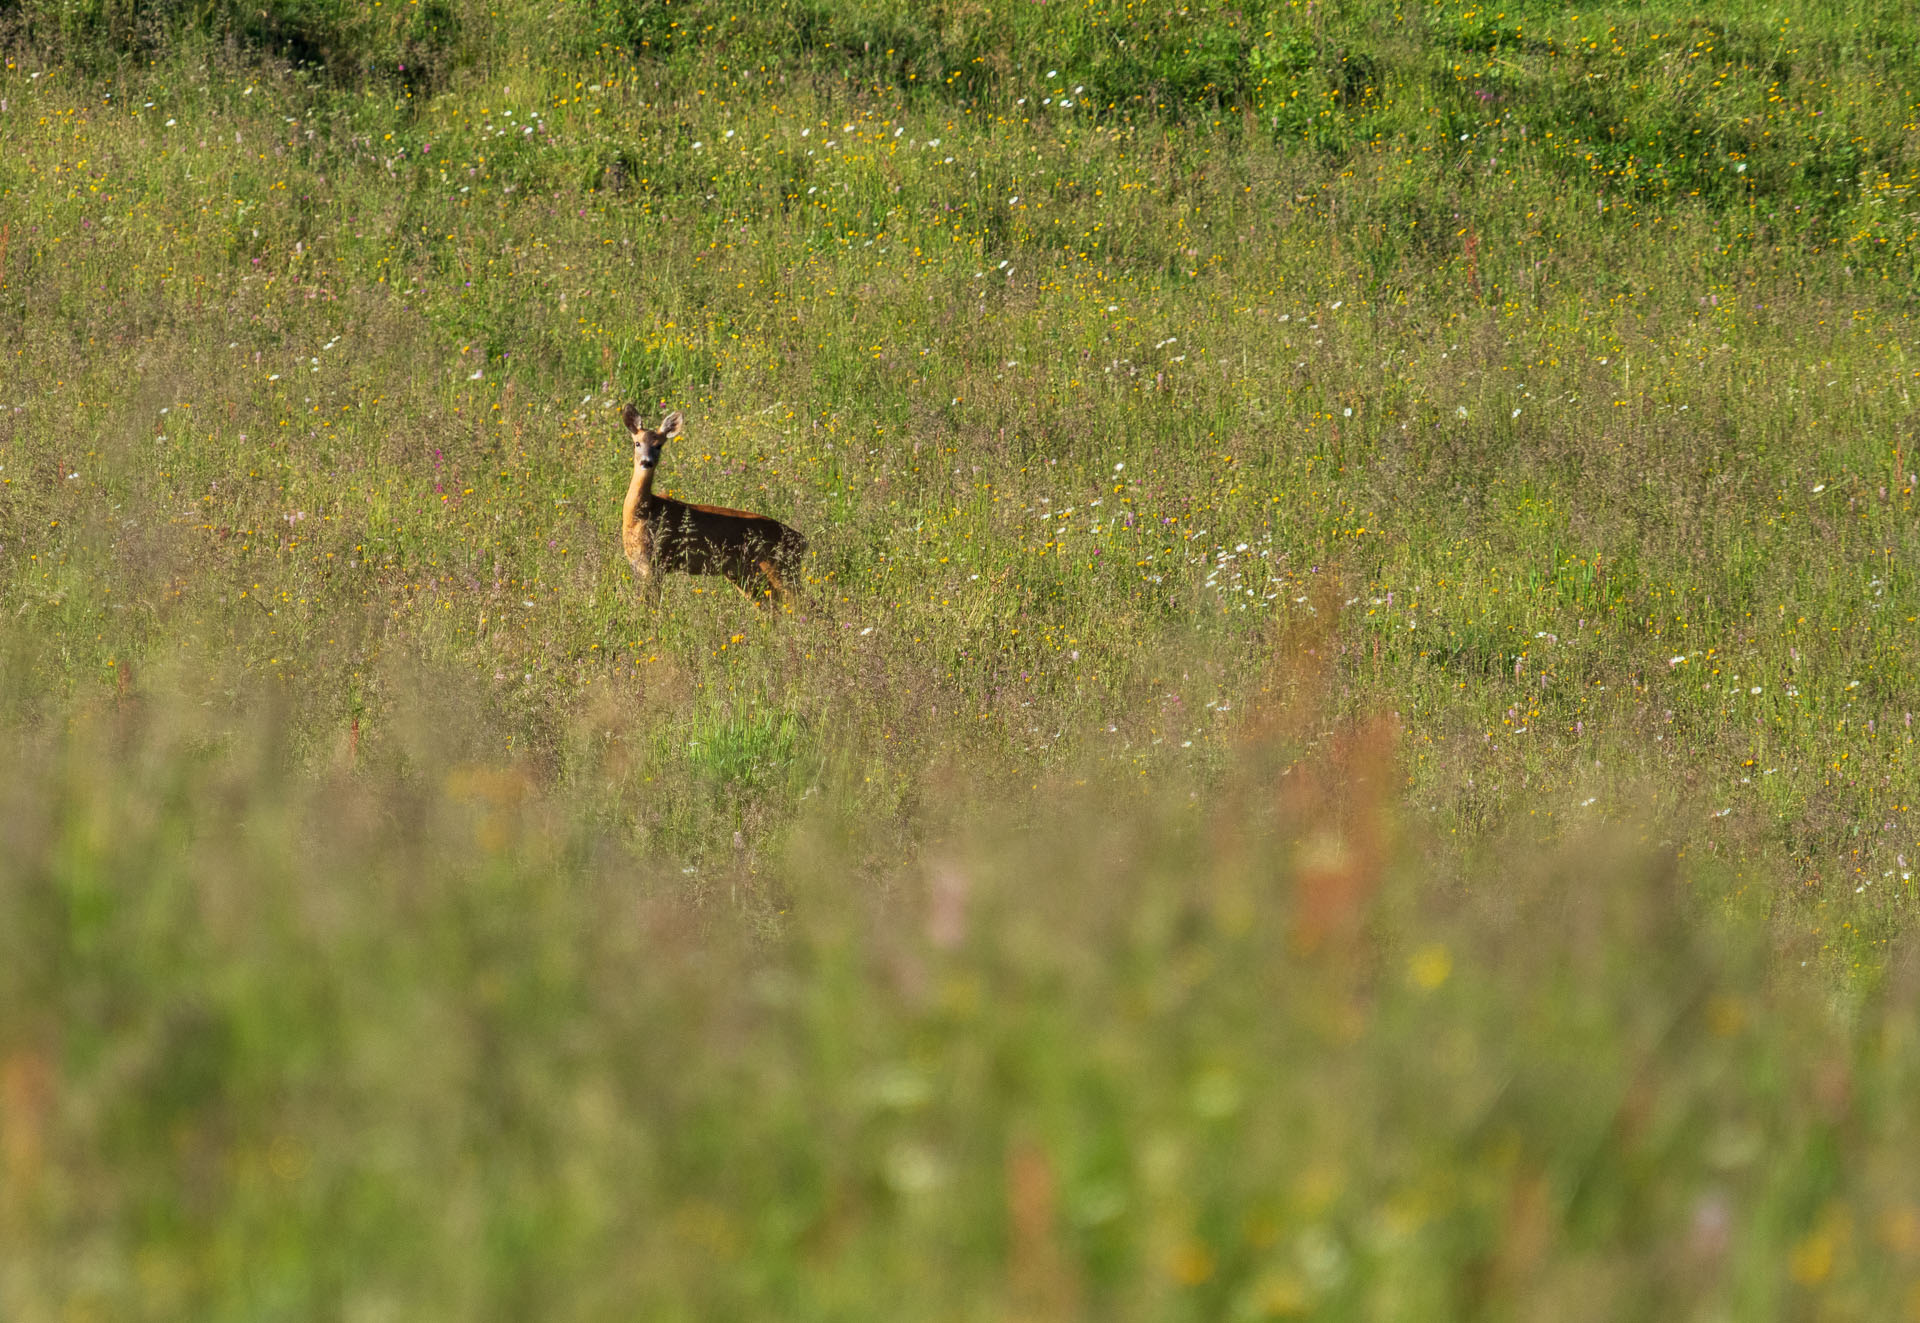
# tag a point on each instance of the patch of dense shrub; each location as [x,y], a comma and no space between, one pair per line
[350,42]
[1172,60]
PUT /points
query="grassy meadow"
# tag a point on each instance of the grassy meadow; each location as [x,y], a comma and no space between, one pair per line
[1345,752]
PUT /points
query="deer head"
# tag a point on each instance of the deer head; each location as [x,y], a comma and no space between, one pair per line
[648,442]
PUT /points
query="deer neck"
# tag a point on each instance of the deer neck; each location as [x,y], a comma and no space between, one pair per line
[636,540]
[639,491]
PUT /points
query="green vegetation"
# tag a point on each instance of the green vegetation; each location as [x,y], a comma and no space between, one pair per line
[1347,752]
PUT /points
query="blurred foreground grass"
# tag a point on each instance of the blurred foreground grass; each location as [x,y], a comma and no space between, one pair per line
[1348,750]
[359,1045]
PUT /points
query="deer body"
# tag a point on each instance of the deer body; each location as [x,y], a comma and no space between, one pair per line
[661,535]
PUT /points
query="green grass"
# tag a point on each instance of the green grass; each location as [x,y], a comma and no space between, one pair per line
[1346,751]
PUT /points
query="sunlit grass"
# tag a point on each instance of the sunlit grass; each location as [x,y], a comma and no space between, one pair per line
[1535,387]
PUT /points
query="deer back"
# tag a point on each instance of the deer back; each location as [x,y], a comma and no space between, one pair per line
[711,539]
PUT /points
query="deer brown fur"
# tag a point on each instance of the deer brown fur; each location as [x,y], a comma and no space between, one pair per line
[754,552]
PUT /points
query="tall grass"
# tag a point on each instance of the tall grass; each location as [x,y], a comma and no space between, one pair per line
[350,1042]
[1347,747]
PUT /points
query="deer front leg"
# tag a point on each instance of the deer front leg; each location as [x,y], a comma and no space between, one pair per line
[649,579]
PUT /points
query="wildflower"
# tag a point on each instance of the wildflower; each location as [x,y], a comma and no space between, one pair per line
[1430,967]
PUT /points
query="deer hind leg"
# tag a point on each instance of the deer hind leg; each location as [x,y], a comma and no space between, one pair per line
[743,579]
[781,595]
[739,583]
[757,583]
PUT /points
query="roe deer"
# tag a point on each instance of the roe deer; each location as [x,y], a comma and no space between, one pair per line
[660,534]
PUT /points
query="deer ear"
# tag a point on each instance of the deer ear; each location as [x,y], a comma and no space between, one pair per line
[670,425]
[631,417]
